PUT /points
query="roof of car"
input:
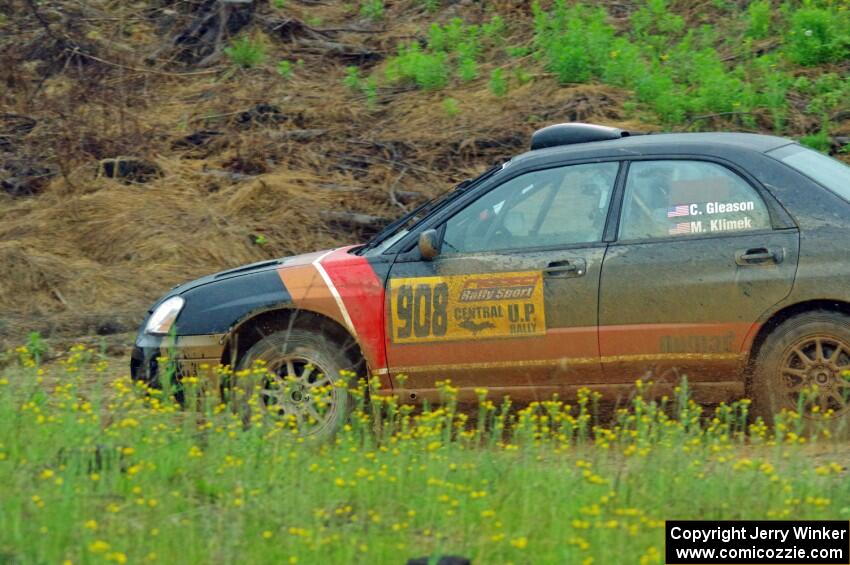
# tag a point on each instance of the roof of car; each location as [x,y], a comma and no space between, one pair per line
[665,143]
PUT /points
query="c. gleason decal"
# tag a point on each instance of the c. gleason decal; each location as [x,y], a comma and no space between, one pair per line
[464,307]
[710,225]
[681,210]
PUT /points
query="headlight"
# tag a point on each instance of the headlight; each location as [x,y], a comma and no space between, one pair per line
[163,317]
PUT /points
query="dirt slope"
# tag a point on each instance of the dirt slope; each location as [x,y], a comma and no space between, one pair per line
[224,165]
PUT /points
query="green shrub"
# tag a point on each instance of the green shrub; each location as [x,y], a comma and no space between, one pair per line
[372,9]
[573,41]
[245,52]
[494,29]
[717,90]
[819,141]
[654,25]
[352,78]
[369,89]
[497,84]
[629,109]
[366,87]
[830,92]
[518,51]
[450,106]
[624,65]
[675,80]
[464,41]
[773,86]
[690,56]
[676,73]
[522,76]
[818,35]
[454,46]
[284,69]
[450,36]
[689,79]
[659,91]
[758,19]
[426,70]
[467,66]
[36,347]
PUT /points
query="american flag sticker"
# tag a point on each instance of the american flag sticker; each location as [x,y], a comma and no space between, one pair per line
[681,227]
[680,210]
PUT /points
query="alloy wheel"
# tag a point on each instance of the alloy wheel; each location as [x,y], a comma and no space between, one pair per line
[298,388]
[814,372]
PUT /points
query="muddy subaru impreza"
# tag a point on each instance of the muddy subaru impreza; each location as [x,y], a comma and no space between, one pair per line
[596,258]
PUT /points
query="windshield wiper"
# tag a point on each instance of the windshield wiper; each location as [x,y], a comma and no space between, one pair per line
[390,228]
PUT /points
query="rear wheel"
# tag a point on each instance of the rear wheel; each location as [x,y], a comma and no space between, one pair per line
[805,364]
[305,381]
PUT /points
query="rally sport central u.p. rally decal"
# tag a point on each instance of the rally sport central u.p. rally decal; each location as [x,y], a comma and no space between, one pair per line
[463,307]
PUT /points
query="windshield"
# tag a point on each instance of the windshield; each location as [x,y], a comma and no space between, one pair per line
[395,231]
[829,172]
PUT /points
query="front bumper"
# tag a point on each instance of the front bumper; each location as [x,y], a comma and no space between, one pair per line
[151,355]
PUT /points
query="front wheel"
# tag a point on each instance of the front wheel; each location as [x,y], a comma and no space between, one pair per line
[804,365]
[305,382]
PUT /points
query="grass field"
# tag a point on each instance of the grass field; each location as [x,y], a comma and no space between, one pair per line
[95,469]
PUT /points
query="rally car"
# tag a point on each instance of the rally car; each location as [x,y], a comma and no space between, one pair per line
[596,258]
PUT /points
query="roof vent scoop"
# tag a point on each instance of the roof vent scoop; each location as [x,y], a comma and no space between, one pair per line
[567,134]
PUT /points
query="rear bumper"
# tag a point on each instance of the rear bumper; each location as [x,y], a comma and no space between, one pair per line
[151,355]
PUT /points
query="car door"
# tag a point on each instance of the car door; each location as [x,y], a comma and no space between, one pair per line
[697,261]
[510,303]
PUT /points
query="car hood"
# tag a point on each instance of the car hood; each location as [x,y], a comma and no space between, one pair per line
[251,269]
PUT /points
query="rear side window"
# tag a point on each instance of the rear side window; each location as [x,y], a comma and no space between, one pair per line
[829,172]
[684,198]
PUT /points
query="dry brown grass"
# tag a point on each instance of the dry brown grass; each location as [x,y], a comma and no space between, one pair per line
[89,253]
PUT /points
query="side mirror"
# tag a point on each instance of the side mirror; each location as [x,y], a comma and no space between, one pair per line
[429,245]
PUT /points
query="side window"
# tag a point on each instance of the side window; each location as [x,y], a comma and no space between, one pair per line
[682,198]
[553,207]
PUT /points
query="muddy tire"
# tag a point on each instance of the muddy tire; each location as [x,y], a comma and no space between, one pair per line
[809,349]
[306,371]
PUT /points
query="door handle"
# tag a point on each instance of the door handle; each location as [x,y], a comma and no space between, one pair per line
[563,269]
[759,256]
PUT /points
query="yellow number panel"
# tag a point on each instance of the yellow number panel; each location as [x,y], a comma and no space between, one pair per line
[467,307]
